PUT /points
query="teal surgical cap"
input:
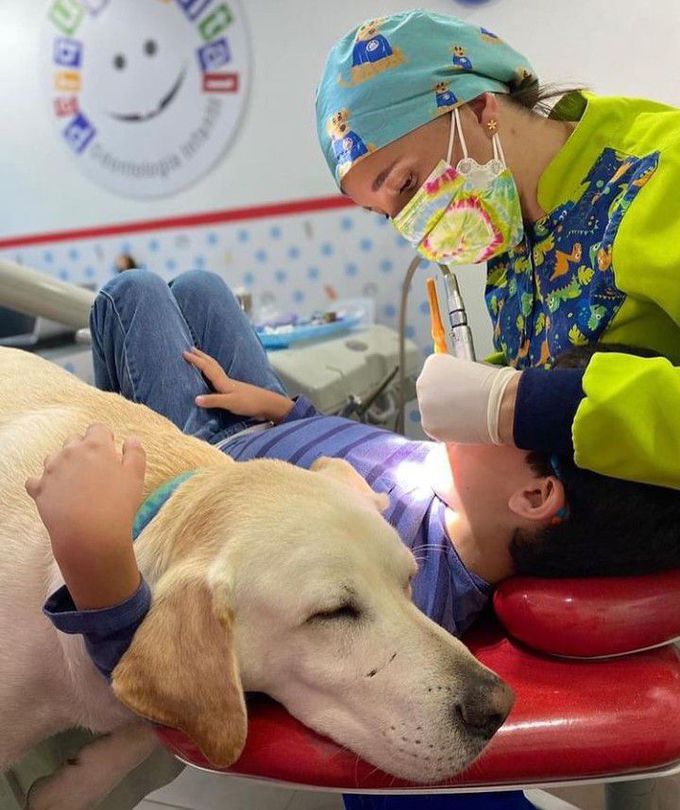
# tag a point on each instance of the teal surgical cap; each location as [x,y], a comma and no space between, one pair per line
[391,75]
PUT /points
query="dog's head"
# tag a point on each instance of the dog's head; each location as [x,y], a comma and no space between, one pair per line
[274,579]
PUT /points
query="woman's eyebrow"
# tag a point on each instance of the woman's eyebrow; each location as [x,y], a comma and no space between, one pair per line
[380,179]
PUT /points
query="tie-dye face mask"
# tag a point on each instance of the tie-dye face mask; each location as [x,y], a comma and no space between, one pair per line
[467,214]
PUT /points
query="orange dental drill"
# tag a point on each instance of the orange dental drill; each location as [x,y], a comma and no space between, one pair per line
[436,325]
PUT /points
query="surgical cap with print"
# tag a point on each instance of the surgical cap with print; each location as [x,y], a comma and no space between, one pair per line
[391,75]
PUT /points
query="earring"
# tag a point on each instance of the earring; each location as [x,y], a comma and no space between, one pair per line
[492,125]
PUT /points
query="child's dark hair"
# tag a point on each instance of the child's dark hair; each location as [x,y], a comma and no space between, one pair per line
[614,527]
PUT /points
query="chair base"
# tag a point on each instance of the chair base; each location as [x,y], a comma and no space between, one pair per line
[640,794]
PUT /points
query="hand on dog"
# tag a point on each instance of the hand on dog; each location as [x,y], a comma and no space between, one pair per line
[239,398]
[87,497]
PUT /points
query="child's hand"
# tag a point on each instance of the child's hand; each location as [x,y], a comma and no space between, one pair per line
[87,497]
[239,398]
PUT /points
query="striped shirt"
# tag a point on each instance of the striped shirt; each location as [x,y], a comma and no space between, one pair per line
[443,588]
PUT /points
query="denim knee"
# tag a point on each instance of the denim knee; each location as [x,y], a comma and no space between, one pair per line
[198,281]
[134,282]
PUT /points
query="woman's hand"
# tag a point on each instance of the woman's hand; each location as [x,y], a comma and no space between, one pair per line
[87,496]
[239,398]
[466,402]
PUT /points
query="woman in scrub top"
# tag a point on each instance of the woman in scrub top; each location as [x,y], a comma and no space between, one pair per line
[438,125]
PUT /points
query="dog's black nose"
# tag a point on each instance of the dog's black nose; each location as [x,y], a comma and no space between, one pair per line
[483,707]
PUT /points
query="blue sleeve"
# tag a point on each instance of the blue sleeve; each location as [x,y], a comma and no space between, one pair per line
[302,409]
[107,632]
[545,408]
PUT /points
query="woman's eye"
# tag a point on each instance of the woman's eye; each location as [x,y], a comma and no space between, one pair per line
[347,611]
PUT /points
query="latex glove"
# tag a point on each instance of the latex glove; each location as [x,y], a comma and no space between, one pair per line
[460,400]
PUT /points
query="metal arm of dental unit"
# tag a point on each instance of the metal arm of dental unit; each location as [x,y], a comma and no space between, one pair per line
[40,295]
[460,333]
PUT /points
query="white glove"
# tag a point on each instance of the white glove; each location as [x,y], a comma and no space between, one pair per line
[460,400]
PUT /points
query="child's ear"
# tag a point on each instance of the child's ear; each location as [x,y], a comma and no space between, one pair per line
[540,499]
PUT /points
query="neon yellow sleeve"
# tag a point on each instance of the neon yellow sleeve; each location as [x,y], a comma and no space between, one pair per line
[628,425]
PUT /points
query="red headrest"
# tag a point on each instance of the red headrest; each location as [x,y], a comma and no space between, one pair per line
[591,617]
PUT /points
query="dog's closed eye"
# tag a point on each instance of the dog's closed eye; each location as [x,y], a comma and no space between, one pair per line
[348,611]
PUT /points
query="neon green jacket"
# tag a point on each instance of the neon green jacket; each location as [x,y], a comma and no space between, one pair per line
[628,424]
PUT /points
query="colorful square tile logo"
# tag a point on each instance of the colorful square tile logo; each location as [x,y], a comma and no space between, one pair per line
[146,94]
[67,52]
[214,55]
[79,133]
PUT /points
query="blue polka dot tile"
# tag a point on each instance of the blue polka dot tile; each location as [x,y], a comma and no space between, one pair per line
[89,272]
[249,279]
[346,224]
[199,262]
[243,236]
[400,242]
[48,257]
[424,308]
[280,276]
[366,245]
[414,415]
[381,221]
[261,255]
[386,266]
[312,272]
[299,296]
[170,264]
[326,249]
[275,232]
[351,270]
[410,332]
[153,245]
[64,274]
[212,238]
[389,311]
[73,254]
[424,263]
[293,252]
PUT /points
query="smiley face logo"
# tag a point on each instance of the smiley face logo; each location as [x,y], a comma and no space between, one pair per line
[120,63]
[146,94]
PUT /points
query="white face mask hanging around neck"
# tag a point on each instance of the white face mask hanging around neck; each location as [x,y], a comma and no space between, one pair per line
[466,214]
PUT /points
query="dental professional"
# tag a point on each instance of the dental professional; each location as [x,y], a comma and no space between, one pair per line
[443,128]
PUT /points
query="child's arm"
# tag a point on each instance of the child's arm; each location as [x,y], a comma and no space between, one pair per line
[87,497]
[239,398]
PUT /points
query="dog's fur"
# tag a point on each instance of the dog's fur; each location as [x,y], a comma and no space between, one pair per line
[241,560]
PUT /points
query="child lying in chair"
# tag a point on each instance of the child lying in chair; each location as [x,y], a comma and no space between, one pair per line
[496,511]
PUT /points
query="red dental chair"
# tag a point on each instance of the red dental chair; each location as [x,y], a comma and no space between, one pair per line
[596,670]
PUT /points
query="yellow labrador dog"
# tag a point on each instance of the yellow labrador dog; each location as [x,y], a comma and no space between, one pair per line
[252,567]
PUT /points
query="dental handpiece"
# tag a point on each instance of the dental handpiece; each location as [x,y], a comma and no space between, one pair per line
[460,333]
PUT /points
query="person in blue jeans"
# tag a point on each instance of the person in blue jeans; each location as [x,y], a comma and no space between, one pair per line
[145,333]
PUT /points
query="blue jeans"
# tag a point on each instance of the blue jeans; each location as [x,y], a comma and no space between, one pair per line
[140,326]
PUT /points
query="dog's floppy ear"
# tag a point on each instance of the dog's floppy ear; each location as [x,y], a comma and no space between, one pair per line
[342,471]
[181,671]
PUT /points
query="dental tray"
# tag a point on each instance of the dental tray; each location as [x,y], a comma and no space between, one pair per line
[282,336]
